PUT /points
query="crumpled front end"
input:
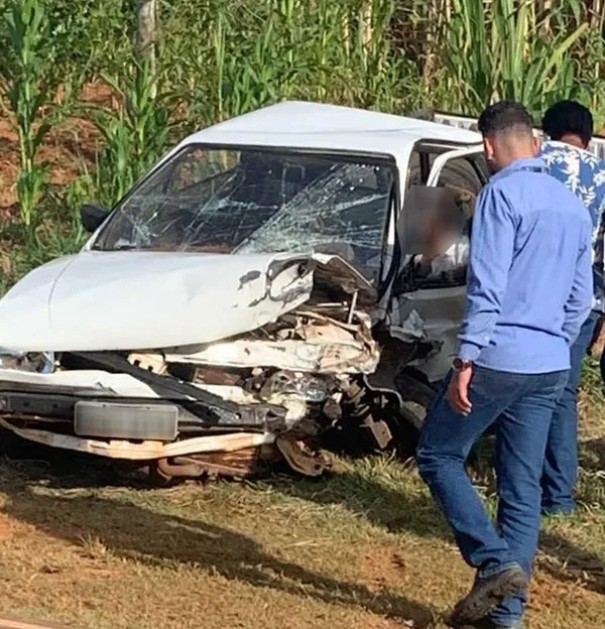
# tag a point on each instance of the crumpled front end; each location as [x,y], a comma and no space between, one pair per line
[224,407]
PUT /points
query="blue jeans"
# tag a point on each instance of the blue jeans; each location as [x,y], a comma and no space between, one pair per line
[561,462]
[521,406]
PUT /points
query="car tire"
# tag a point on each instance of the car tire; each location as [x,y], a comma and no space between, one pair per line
[416,397]
[14,447]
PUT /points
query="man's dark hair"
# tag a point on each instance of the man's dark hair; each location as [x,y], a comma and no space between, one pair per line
[507,116]
[567,117]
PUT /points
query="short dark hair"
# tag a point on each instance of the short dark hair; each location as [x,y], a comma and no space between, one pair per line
[505,117]
[568,117]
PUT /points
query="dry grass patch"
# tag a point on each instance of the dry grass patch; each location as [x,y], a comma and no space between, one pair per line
[363,548]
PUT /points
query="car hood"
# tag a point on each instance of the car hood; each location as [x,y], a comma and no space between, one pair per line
[101,301]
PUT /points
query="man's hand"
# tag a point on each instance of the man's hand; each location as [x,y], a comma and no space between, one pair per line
[457,391]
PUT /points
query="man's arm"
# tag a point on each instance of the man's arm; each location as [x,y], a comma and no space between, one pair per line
[598,250]
[491,254]
[579,302]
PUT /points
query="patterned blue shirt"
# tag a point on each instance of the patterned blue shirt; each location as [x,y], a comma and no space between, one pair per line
[584,174]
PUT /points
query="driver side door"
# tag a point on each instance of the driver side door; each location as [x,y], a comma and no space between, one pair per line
[433,310]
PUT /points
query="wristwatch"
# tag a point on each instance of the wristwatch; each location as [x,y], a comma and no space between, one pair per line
[460,365]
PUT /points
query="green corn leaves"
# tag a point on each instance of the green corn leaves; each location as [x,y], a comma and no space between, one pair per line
[134,135]
[27,90]
[511,51]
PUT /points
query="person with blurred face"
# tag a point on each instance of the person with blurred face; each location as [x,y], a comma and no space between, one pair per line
[529,290]
[569,125]
[445,250]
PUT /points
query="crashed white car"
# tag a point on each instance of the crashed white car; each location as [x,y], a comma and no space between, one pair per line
[273,285]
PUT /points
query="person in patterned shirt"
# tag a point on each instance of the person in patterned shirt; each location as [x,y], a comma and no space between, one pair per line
[569,125]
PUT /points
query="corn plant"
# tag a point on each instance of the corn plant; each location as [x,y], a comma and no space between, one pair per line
[134,135]
[591,75]
[25,71]
[510,51]
[90,37]
[257,53]
[381,71]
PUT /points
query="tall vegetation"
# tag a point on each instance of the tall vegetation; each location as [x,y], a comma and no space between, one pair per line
[27,87]
[513,51]
[134,132]
[253,53]
[213,59]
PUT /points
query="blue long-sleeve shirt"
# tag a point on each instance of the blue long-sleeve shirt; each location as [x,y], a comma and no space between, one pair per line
[529,285]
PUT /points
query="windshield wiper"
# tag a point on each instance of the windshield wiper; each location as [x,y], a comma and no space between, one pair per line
[128,247]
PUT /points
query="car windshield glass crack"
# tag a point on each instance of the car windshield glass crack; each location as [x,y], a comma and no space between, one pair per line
[248,201]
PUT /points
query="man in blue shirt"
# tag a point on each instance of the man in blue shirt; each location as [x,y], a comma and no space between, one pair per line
[570,126]
[529,290]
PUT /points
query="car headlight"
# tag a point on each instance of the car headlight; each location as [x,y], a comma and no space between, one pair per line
[39,362]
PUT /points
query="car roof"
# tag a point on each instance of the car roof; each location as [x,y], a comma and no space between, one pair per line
[306,125]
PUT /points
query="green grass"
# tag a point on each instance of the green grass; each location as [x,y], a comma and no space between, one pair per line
[364,547]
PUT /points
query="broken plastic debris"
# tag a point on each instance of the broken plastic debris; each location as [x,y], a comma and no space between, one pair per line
[411,329]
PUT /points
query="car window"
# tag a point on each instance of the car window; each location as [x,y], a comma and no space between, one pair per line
[460,174]
[199,165]
[243,200]
[444,260]
[417,170]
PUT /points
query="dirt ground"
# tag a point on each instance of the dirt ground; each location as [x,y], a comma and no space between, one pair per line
[364,548]
[66,147]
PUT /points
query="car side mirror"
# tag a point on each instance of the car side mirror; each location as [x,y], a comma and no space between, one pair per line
[424,210]
[92,217]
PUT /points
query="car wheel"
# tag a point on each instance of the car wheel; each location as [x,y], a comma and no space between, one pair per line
[14,447]
[416,397]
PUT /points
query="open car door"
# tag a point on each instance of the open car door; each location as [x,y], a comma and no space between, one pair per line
[432,309]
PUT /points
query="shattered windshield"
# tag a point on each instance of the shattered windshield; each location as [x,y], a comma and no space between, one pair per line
[217,200]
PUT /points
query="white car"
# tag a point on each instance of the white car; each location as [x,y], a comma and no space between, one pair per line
[265,290]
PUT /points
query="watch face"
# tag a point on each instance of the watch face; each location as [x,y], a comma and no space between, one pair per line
[458,364]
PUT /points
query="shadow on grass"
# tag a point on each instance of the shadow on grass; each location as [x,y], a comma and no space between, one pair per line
[390,495]
[398,505]
[146,536]
[393,502]
[592,455]
[567,563]
[386,495]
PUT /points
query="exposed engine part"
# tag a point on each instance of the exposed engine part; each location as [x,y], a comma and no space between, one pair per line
[297,422]
[243,463]
[378,420]
[240,464]
[352,308]
[40,362]
[302,341]
[306,386]
[301,459]
[332,410]
[366,409]
[379,431]
[215,375]
[149,362]
[207,406]
[178,469]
